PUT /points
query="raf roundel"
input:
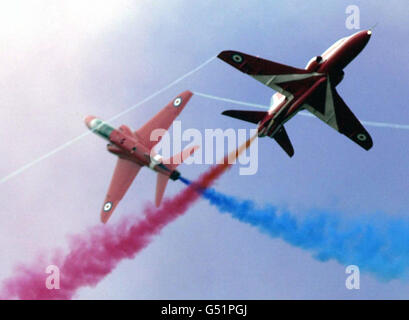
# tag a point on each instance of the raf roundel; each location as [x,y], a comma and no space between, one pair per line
[177,102]
[361,137]
[237,58]
[107,206]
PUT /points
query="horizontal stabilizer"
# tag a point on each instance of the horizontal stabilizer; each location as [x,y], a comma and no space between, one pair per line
[249,116]
[172,163]
[283,140]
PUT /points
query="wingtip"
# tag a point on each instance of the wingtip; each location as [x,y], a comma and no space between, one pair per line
[158,200]
[106,213]
[104,217]
[232,57]
[185,96]
[181,100]
[224,53]
[370,145]
[188,94]
[221,54]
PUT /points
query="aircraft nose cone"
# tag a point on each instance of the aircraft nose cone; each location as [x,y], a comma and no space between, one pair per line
[88,120]
[364,35]
[359,40]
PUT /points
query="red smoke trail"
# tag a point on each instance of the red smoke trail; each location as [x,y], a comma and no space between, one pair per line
[94,254]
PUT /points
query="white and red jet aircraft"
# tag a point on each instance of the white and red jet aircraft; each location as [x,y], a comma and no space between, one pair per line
[312,88]
[135,150]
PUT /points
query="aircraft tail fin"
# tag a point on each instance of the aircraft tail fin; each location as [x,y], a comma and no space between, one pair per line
[249,116]
[172,163]
[283,140]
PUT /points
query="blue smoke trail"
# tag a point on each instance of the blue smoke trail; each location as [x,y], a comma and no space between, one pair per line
[378,244]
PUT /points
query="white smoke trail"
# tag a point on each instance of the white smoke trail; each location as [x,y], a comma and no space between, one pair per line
[303,113]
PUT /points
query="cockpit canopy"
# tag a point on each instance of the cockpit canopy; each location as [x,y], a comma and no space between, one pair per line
[101,128]
[313,64]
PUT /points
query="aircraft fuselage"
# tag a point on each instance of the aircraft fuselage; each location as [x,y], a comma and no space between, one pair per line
[125,144]
[329,65]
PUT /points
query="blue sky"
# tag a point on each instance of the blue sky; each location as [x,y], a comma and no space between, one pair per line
[61,65]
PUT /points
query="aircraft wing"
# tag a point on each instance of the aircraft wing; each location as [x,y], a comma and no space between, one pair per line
[163,119]
[125,172]
[280,77]
[327,105]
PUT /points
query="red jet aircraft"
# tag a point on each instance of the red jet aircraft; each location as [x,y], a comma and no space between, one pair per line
[312,88]
[135,150]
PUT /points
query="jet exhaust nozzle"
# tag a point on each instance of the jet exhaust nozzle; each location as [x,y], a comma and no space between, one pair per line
[175,175]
